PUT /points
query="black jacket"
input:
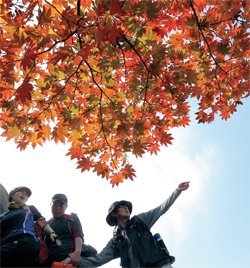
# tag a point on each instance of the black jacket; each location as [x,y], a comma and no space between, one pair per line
[143,243]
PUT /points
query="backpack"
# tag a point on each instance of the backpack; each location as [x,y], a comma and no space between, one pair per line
[87,250]
[149,252]
[43,253]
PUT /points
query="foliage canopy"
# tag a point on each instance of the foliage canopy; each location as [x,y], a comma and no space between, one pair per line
[113,77]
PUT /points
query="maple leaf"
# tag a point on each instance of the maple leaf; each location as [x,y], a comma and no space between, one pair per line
[138,149]
[225,115]
[23,92]
[22,145]
[115,7]
[159,31]
[75,153]
[84,164]
[113,77]
[128,172]
[152,10]
[116,179]
[28,59]
[154,148]
[166,139]
[12,132]
[100,8]
[101,170]
[185,121]
[115,35]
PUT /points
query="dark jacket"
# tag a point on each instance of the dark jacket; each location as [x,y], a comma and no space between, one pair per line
[144,245]
[67,228]
[111,251]
[19,245]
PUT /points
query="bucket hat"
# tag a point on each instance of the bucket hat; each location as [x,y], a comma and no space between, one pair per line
[110,219]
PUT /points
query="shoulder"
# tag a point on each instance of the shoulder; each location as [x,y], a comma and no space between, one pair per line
[74,218]
[35,212]
[137,221]
[32,208]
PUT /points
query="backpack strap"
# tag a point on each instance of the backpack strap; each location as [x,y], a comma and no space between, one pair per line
[71,219]
[137,220]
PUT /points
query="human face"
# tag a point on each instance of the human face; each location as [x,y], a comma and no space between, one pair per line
[123,211]
[20,197]
[58,208]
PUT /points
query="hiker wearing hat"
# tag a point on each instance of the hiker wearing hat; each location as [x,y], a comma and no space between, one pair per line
[132,241]
[69,230]
[19,243]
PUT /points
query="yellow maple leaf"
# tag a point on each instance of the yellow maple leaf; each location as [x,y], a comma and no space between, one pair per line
[13,132]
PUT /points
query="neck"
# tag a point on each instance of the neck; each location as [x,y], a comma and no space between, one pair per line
[122,222]
[15,204]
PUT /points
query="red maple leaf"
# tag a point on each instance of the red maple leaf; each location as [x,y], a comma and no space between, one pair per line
[22,145]
[23,92]
[115,34]
[115,7]
[138,149]
[166,139]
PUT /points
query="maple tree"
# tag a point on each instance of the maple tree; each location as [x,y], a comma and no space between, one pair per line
[113,77]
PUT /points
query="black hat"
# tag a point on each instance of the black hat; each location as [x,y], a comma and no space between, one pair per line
[110,219]
[60,197]
[18,189]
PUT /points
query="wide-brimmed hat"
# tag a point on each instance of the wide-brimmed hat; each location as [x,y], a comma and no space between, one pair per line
[60,197]
[18,189]
[110,219]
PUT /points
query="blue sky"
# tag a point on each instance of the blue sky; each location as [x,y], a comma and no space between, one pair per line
[208,225]
[223,238]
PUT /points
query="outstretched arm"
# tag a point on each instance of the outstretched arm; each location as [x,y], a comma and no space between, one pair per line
[108,254]
[183,186]
[150,217]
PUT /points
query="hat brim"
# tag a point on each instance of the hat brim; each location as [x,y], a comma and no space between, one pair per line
[62,201]
[110,219]
[28,191]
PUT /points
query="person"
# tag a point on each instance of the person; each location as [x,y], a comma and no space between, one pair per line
[19,244]
[3,199]
[69,230]
[132,240]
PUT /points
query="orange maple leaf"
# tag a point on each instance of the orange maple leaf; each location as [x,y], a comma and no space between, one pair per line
[116,179]
[102,170]
[154,148]
[75,153]
[128,172]
[84,164]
